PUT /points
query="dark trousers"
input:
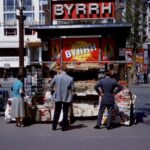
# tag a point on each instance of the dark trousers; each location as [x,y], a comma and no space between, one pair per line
[58,106]
[145,80]
[110,108]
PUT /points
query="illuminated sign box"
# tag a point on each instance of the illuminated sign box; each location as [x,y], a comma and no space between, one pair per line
[80,49]
[78,10]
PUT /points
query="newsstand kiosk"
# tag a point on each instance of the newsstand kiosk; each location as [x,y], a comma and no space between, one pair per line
[84,35]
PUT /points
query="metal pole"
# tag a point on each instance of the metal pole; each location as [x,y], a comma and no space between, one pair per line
[21,19]
[50,11]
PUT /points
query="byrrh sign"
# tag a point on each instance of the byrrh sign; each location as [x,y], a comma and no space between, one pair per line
[83,9]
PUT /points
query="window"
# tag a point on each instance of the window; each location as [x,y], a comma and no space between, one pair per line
[42,18]
[43,4]
[28,5]
[28,31]
[10,19]
[28,2]
[29,18]
[10,31]
[9,5]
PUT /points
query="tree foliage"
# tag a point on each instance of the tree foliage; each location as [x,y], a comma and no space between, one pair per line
[133,16]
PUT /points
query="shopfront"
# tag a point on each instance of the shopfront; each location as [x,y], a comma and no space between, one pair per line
[73,20]
[84,36]
[84,33]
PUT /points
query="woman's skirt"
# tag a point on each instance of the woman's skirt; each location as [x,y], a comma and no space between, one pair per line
[18,107]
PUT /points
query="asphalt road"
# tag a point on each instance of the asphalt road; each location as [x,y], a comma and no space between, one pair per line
[82,135]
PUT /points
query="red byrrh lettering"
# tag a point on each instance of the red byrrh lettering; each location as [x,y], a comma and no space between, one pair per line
[77,10]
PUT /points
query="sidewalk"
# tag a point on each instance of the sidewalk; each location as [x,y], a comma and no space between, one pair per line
[141,85]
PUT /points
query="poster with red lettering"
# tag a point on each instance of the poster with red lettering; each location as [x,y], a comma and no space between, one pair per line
[129,54]
[55,49]
[80,49]
[140,56]
[108,47]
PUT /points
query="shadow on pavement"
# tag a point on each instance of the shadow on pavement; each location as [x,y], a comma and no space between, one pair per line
[140,116]
[79,126]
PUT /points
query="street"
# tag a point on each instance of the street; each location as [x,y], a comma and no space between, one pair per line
[82,135]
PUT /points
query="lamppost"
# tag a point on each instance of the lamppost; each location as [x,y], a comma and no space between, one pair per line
[21,19]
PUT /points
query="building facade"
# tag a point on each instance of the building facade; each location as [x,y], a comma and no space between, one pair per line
[37,13]
[146,29]
[9,32]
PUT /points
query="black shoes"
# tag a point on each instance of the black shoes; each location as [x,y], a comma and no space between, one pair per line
[63,129]
[109,128]
[97,127]
[53,128]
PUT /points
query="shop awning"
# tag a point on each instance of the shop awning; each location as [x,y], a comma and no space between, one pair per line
[117,29]
[34,44]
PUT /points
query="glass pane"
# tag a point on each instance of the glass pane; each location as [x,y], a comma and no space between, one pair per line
[28,5]
[9,5]
[43,2]
[42,18]
[29,18]
[9,17]
[28,2]
[10,31]
[10,2]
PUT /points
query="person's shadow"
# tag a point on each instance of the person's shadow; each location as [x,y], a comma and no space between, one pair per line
[141,114]
[79,126]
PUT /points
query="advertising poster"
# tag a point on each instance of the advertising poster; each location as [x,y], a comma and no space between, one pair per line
[146,59]
[129,54]
[122,52]
[55,49]
[140,56]
[80,49]
[108,46]
[145,67]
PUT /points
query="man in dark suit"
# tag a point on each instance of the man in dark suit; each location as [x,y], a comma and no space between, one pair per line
[61,87]
[145,77]
[106,88]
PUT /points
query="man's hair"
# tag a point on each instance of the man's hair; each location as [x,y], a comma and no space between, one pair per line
[61,67]
[107,73]
[20,76]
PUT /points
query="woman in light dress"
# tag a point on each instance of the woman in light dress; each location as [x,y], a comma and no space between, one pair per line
[18,106]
